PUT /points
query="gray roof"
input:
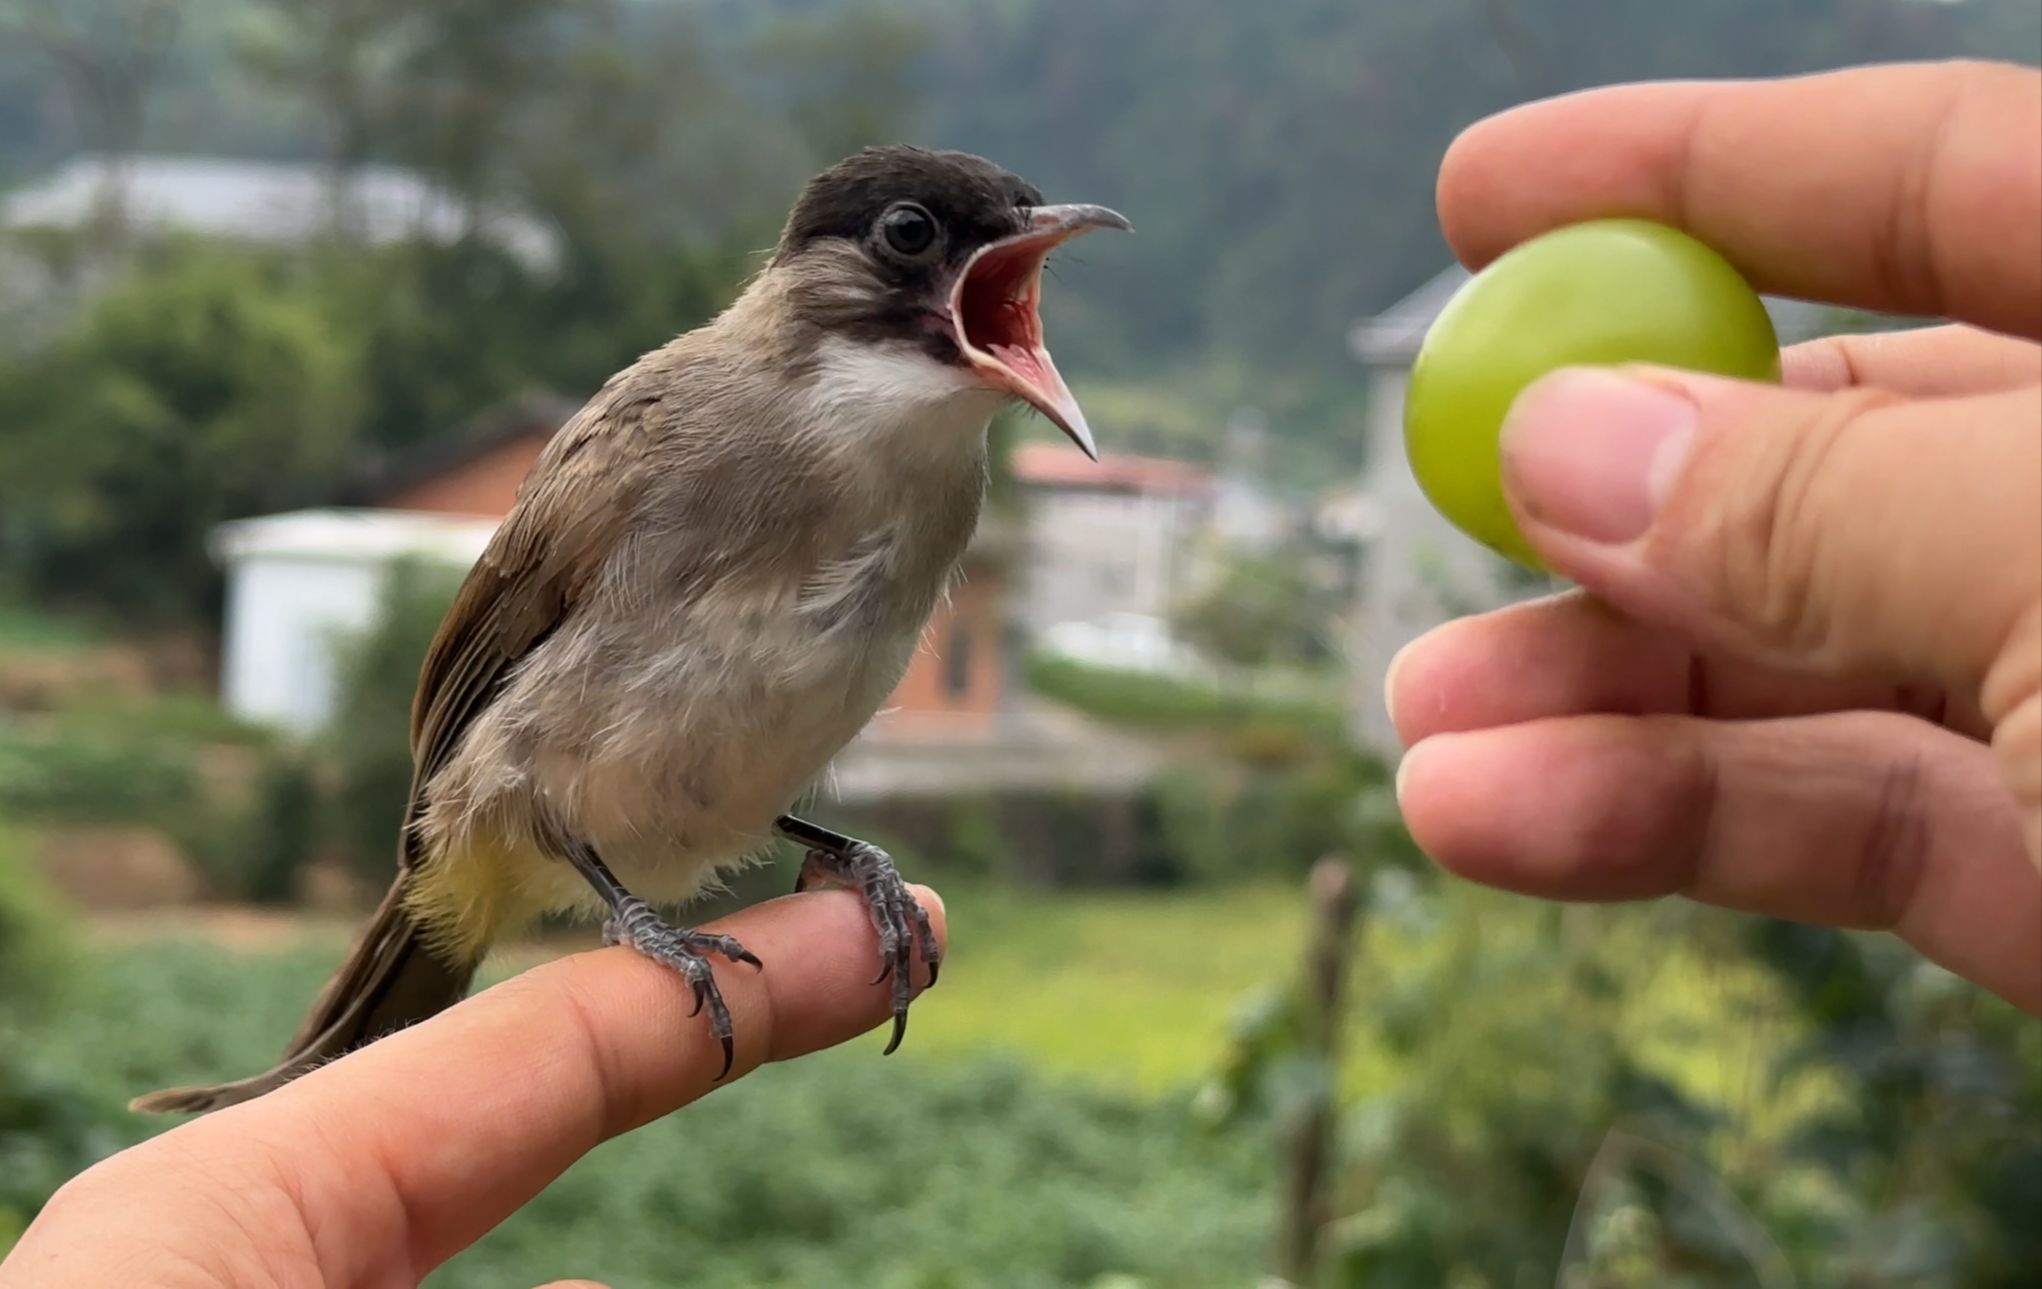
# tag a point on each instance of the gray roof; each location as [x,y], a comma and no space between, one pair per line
[1392,337]
[265,201]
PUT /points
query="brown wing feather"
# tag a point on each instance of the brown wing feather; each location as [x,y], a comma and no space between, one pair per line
[567,520]
[524,584]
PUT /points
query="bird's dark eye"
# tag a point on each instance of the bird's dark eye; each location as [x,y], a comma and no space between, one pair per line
[908,228]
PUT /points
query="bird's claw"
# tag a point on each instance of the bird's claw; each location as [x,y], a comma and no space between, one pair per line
[898,917]
[633,922]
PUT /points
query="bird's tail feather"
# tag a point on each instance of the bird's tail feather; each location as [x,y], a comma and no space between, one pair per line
[395,976]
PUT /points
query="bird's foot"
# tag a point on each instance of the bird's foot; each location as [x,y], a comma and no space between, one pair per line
[633,922]
[902,923]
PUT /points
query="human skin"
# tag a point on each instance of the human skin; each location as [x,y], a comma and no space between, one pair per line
[377,1168]
[1803,673]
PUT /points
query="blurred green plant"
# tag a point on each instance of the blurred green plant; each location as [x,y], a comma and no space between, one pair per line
[278,833]
[1268,781]
[1633,1097]
[1155,701]
[93,773]
[1258,610]
[838,1169]
[367,742]
[205,385]
[240,804]
[1938,1152]
[30,628]
[49,1130]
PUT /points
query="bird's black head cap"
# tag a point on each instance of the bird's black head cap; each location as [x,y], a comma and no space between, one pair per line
[916,211]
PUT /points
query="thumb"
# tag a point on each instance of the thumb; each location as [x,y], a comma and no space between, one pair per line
[1854,532]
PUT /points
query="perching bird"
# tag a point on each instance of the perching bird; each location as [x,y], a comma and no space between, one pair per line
[712,577]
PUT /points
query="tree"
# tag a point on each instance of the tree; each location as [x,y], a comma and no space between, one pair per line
[106,54]
[338,55]
[1259,609]
[207,386]
[368,740]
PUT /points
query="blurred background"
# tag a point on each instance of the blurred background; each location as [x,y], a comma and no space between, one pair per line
[292,292]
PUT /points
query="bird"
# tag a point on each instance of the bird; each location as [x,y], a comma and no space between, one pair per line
[710,580]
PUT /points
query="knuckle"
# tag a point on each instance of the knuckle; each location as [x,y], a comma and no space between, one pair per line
[1894,849]
[1766,515]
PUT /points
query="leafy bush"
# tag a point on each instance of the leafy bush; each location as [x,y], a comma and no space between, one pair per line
[33,953]
[25,628]
[368,740]
[48,1129]
[1271,784]
[205,385]
[1161,702]
[840,1169]
[843,1169]
[1255,610]
[93,772]
[142,763]
[174,716]
[1625,1097]
[1939,1147]
[260,856]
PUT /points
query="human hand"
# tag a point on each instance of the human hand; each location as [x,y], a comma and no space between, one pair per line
[377,1168]
[1804,677]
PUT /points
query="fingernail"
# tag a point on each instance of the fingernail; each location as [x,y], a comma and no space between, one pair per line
[1592,452]
[1404,764]
[1390,682]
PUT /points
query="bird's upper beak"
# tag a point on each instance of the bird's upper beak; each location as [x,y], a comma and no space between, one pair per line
[993,308]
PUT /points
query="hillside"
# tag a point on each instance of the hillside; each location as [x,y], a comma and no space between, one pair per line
[1277,157]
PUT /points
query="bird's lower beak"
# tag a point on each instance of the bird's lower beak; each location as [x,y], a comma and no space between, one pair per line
[993,308]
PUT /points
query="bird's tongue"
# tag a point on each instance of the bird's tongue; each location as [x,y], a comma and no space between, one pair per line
[993,307]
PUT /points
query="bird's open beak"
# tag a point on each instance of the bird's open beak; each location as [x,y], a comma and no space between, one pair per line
[993,308]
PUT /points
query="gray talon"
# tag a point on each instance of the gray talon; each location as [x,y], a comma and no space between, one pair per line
[634,923]
[901,922]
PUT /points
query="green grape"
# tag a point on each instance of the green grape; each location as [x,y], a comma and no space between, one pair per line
[1605,292]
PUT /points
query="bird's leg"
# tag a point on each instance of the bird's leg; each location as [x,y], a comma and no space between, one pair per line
[836,860]
[632,921]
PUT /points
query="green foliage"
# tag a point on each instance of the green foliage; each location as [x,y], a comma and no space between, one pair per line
[162,717]
[1625,1097]
[145,763]
[33,953]
[368,740]
[1261,609]
[845,1170]
[48,1131]
[1221,821]
[278,833]
[1269,783]
[1279,158]
[93,772]
[838,1169]
[204,386]
[1154,701]
[1940,1144]
[27,628]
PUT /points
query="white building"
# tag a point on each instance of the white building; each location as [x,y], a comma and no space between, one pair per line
[1246,515]
[299,584]
[1105,537]
[281,202]
[1419,570]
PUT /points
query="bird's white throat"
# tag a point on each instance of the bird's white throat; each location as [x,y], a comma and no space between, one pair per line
[892,406]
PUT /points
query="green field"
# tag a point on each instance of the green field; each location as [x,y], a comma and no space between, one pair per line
[24,629]
[1045,1119]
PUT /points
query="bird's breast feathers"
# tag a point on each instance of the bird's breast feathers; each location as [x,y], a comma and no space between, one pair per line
[668,725]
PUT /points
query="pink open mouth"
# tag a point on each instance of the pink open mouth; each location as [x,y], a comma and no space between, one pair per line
[993,311]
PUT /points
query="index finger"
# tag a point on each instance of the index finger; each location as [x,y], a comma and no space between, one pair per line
[431,1136]
[1913,189]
